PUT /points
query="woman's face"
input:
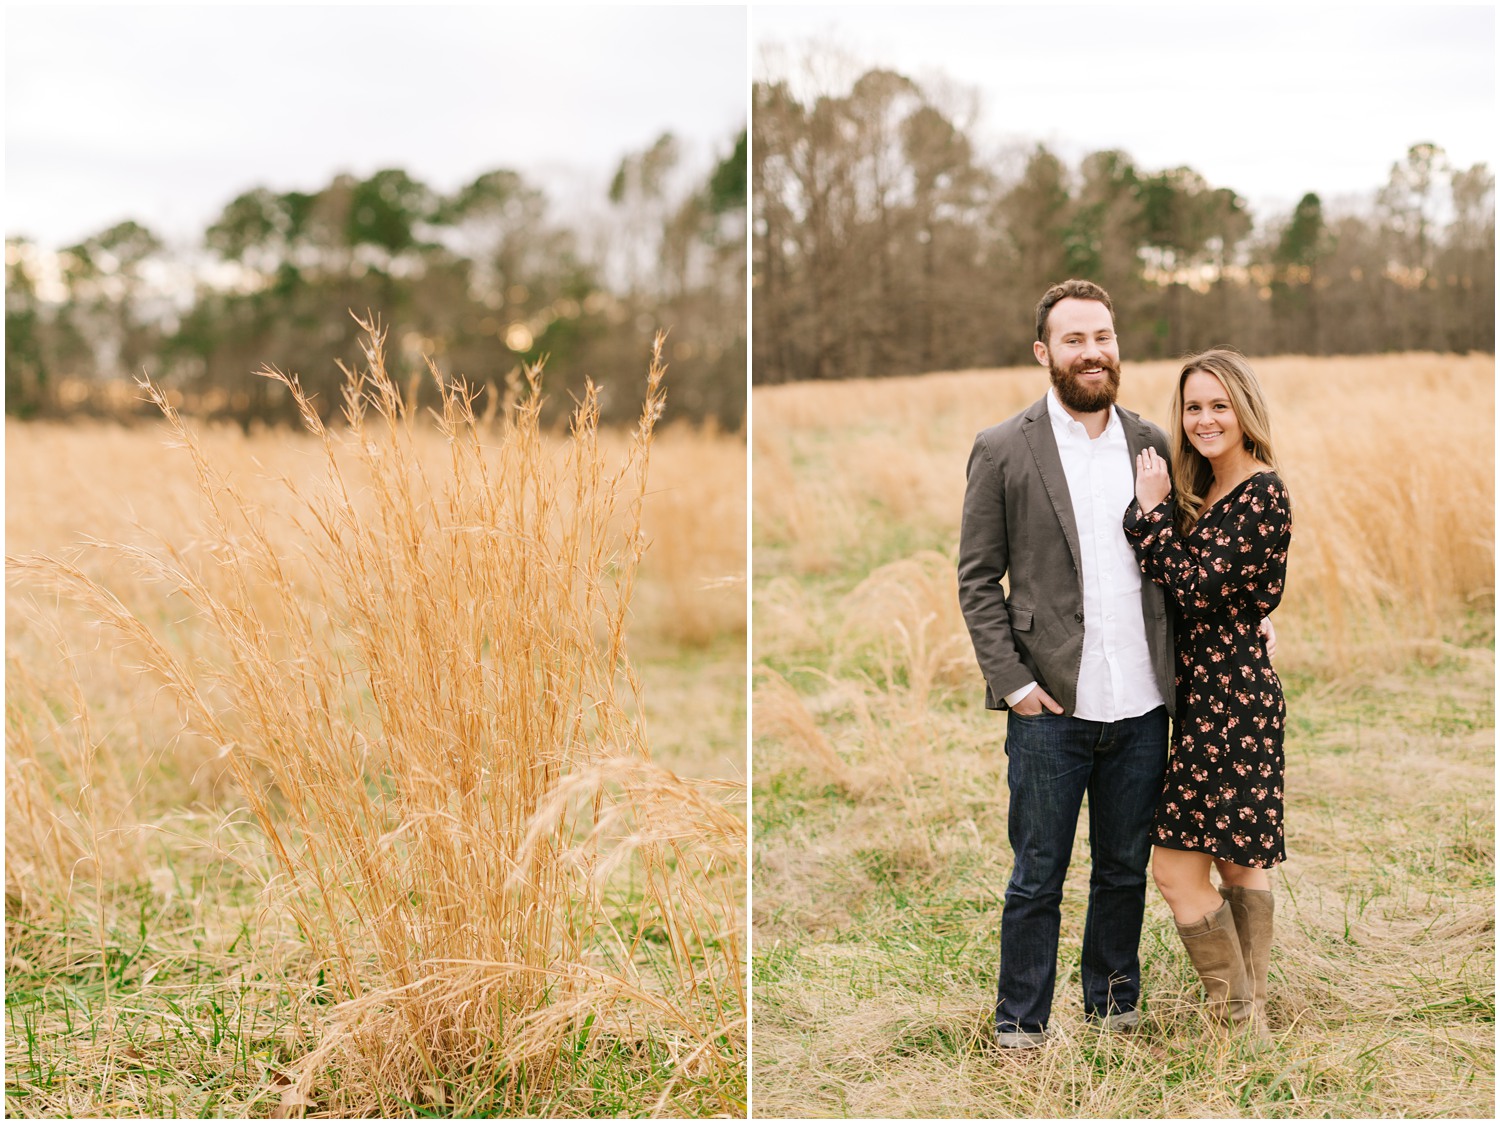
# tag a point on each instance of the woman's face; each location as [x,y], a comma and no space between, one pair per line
[1208,419]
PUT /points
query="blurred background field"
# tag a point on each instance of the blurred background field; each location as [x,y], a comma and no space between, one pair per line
[879,800]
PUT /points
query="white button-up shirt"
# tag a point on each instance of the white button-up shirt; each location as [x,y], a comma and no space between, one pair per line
[1115,680]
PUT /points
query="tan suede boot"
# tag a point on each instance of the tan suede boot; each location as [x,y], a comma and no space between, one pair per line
[1214,948]
[1254,911]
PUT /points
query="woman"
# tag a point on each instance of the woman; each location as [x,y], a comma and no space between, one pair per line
[1220,554]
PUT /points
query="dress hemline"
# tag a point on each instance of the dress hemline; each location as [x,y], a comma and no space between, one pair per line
[1215,855]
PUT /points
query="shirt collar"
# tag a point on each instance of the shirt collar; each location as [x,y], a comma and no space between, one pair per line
[1065,423]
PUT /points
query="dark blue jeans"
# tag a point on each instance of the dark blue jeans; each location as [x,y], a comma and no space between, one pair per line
[1054,760]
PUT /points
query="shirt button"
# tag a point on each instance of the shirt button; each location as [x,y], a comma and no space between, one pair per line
[1078,617]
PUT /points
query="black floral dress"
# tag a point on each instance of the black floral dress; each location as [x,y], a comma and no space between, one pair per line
[1223,791]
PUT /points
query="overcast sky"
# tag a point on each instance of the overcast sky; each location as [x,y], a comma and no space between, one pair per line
[1269,100]
[164,114]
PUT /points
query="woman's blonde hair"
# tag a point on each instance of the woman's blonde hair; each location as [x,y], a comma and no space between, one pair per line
[1191,472]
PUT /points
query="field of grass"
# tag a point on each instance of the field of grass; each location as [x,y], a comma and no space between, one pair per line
[368,774]
[879,801]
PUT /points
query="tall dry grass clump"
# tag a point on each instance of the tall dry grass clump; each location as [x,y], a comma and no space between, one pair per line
[431,714]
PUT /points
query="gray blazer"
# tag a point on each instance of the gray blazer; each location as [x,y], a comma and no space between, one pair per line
[1018,520]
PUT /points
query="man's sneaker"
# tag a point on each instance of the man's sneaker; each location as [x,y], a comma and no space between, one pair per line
[1020,1039]
[1117,1022]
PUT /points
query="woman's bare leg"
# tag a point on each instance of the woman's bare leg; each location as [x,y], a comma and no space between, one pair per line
[1250,877]
[1182,878]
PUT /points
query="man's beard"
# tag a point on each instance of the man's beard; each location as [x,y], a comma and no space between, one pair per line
[1086,398]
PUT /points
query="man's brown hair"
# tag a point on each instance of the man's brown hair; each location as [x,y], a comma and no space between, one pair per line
[1081,290]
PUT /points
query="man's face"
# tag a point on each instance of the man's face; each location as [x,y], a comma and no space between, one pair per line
[1082,354]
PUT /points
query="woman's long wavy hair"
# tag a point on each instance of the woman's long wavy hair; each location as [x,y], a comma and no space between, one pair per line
[1191,473]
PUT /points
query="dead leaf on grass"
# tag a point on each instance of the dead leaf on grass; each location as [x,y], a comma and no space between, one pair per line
[292,1104]
[130,1054]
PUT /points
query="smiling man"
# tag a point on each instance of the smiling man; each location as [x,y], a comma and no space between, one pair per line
[1080,654]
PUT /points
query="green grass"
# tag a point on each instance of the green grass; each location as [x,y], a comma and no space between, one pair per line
[878,908]
[182,994]
[157,1019]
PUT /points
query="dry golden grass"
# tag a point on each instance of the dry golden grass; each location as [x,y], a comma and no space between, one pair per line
[349,723]
[879,804]
[1389,459]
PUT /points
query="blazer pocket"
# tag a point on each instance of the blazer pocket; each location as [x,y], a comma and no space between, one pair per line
[1020,619]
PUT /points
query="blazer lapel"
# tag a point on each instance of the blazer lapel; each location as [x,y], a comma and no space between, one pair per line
[1039,436]
[1137,436]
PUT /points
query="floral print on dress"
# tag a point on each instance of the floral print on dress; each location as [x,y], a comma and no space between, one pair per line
[1223,789]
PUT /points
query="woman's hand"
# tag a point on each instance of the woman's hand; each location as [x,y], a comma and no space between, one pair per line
[1267,634]
[1153,482]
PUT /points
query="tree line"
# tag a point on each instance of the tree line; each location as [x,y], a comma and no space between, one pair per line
[482,280]
[884,244]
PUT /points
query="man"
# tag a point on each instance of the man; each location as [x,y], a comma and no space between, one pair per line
[1080,652]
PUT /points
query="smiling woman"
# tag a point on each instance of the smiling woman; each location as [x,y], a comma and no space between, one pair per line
[1220,410]
[1207,414]
[1222,562]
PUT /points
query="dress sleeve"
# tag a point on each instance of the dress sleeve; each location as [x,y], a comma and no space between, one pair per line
[1243,561]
